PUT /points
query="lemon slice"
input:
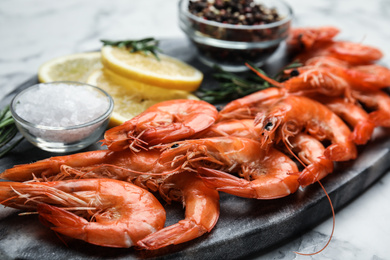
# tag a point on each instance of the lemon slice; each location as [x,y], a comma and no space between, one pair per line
[131,97]
[75,67]
[167,72]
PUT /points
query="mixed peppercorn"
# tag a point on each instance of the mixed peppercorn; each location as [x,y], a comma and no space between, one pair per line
[241,12]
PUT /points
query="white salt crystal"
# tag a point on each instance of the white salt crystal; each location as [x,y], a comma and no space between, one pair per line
[61,105]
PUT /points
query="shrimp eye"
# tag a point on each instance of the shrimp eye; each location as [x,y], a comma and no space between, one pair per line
[294,73]
[269,126]
[174,146]
[219,108]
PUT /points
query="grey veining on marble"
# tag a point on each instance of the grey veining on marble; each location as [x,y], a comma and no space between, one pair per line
[33,32]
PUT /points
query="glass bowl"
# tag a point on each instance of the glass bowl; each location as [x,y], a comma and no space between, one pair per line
[74,126]
[230,45]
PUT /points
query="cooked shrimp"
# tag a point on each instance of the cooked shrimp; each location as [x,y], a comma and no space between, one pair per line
[311,153]
[201,214]
[228,153]
[201,202]
[295,114]
[305,37]
[368,77]
[313,80]
[276,176]
[92,163]
[164,122]
[105,212]
[354,53]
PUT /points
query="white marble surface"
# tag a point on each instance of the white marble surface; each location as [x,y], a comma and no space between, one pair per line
[34,31]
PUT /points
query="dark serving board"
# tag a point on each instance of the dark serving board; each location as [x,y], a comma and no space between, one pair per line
[245,226]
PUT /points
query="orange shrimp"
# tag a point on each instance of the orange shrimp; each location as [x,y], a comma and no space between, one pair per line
[368,77]
[99,211]
[201,202]
[277,174]
[294,114]
[305,37]
[201,214]
[93,163]
[354,53]
[247,107]
[164,122]
[313,80]
[379,102]
[363,77]
[311,153]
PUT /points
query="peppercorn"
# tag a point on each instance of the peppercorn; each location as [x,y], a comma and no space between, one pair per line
[242,12]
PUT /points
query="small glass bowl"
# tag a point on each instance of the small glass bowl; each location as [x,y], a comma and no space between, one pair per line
[62,139]
[229,46]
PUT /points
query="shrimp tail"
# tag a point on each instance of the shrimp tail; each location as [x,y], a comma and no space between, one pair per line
[315,171]
[183,231]
[62,221]
[381,118]
[337,152]
[71,225]
[362,132]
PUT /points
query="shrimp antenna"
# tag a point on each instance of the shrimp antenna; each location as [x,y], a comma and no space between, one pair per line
[334,221]
[330,203]
[266,78]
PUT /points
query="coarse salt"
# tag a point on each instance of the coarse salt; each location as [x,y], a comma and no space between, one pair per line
[61,105]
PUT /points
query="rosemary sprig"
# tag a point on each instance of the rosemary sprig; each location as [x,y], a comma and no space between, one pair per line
[8,131]
[146,45]
[232,86]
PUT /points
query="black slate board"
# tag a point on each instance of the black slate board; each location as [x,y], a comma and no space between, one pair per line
[245,226]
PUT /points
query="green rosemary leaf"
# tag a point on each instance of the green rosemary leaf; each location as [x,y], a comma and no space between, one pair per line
[9,148]
[6,122]
[231,86]
[8,136]
[8,131]
[146,45]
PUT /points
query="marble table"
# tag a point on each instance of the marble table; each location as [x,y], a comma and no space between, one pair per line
[33,32]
